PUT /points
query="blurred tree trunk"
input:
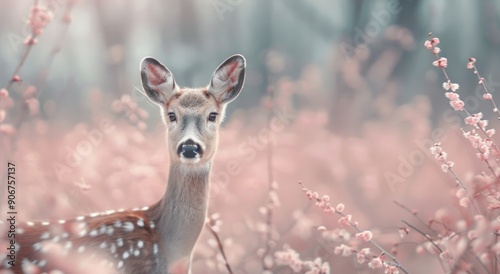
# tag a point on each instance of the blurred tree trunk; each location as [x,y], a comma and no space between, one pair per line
[114,19]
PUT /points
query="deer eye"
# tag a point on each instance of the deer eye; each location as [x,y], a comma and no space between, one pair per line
[212,117]
[171,117]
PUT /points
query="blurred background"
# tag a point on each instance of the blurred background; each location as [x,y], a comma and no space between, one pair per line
[350,81]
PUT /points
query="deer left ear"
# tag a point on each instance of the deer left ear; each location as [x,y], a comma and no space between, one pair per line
[228,78]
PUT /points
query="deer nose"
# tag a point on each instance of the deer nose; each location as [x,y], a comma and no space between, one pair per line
[189,149]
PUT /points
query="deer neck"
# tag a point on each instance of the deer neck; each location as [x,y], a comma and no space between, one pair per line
[182,210]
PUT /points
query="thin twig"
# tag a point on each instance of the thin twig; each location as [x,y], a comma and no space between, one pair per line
[414,214]
[221,248]
[27,51]
[423,234]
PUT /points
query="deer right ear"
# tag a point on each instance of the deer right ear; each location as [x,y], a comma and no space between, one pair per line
[157,81]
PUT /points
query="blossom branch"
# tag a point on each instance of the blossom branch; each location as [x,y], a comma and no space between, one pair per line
[213,225]
[487,95]
[366,235]
[484,147]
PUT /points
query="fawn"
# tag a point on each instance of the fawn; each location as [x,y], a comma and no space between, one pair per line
[155,239]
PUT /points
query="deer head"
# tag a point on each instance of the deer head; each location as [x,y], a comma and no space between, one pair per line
[193,116]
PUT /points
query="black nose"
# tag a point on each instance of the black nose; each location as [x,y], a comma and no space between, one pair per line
[189,149]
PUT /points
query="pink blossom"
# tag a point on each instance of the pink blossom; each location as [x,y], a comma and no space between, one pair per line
[365,236]
[4,93]
[343,249]
[487,96]
[16,78]
[449,85]
[325,198]
[346,220]
[30,40]
[391,269]
[361,258]
[403,232]
[436,149]
[464,202]
[457,104]
[460,193]
[490,132]
[451,95]
[340,207]
[483,124]
[290,258]
[67,18]
[7,129]
[2,115]
[441,63]
[375,263]
[39,19]
[329,210]
[470,65]
[436,50]
[472,120]
[428,44]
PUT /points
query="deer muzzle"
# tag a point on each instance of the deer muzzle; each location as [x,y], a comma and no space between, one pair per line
[189,149]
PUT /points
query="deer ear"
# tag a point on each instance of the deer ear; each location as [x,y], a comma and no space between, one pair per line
[157,81]
[228,78]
